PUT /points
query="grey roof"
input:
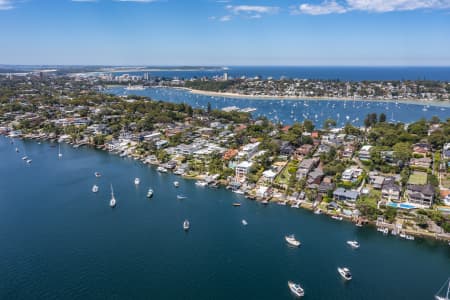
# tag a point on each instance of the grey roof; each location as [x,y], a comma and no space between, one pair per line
[341,192]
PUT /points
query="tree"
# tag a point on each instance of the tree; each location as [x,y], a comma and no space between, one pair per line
[402,151]
[382,118]
[329,123]
[208,108]
[308,125]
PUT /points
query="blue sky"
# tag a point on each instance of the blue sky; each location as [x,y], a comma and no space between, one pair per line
[222,32]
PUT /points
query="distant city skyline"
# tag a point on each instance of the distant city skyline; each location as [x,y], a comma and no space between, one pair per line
[225,33]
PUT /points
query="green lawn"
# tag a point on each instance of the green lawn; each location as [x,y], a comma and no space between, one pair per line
[418,178]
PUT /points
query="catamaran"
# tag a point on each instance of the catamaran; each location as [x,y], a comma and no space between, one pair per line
[444,294]
[112,202]
[291,240]
[296,289]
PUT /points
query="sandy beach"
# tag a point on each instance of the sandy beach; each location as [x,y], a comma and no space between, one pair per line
[293,98]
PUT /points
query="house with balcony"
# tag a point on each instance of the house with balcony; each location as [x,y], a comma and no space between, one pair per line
[364,152]
[420,194]
[241,171]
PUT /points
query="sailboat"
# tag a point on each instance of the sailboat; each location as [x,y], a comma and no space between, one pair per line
[59,151]
[444,291]
[112,202]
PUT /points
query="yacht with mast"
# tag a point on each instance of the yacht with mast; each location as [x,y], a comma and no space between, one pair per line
[112,202]
[444,291]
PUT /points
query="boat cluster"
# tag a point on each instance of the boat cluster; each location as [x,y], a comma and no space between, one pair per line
[345,272]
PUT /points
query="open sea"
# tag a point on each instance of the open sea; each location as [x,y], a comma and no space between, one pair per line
[61,241]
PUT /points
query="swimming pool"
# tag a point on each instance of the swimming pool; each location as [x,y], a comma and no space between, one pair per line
[401,205]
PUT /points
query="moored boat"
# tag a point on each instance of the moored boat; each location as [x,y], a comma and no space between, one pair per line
[291,240]
[95,188]
[345,273]
[296,289]
[137,181]
[149,193]
[353,244]
[244,222]
[186,225]
[97,174]
[236,204]
[181,197]
[176,183]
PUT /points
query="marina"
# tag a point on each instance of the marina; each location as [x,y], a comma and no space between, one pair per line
[131,240]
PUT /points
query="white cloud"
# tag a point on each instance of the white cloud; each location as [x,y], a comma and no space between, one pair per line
[327,7]
[225,18]
[252,9]
[375,6]
[6,4]
[396,5]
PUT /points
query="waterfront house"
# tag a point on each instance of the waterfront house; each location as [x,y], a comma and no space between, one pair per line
[249,150]
[241,171]
[364,152]
[304,150]
[390,192]
[351,174]
[446,151]
[342,194]
[305,167]
[422,162]
[421,149]
[315,177]
[377,182]
[325,187]
[269,176]
[420,194]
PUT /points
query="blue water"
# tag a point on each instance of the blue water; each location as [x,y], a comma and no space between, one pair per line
[61,241]
[290,111]
[328,73]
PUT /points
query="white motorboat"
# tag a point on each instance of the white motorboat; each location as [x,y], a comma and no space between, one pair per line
[25,157]
[29,161]
[149,193]
[137,181]
[353,244]
[181,197]
[345,273]
[201,183]
[17,150]
[335,217]
[95,188]
[176,183]
[409,237]
[97,174]
[296,289]
[244,222]
[112,202]
[161,170]
[318,211]
[239,192]
[291,240]
[186,225]
[444,291]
